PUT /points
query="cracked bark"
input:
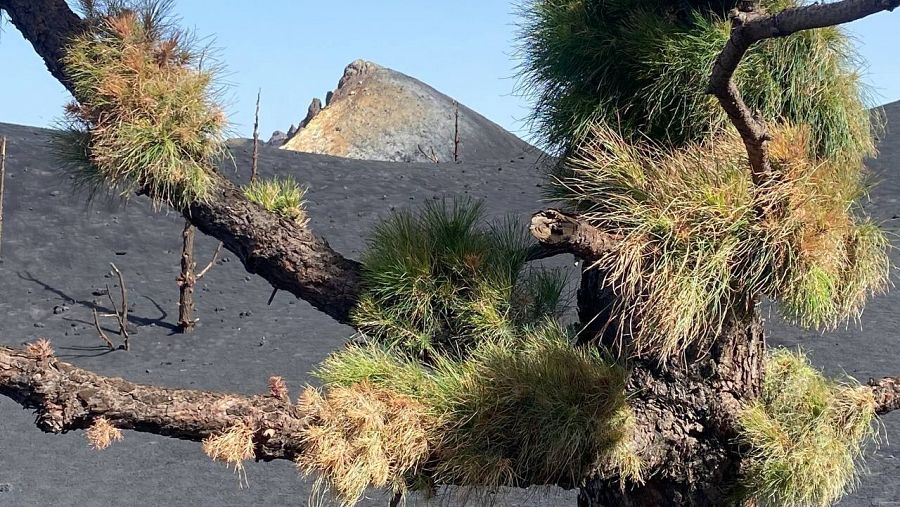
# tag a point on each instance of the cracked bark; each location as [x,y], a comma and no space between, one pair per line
[685,411]
[290,257]
[66,398]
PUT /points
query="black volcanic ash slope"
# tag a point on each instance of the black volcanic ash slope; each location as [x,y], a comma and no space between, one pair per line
[56,255]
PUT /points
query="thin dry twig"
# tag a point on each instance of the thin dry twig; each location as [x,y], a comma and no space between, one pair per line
[433,156]
[2,180]
[212,262]
[255,160]
[105,338]
[456,132]
[121,315]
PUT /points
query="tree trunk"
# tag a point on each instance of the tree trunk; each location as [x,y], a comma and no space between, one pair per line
[186,280]
[595,301]
[686,411]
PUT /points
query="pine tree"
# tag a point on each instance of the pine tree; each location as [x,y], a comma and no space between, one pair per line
[703,166]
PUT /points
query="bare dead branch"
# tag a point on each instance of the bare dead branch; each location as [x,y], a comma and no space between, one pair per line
[255,160]
[456,131]
[432,156]
[121,315]
[212,262]
[100,332]
[2,180]
[560,232]
[66,397]
[186,280]
[749,27]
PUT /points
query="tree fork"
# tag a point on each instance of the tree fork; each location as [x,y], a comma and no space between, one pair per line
[750,27]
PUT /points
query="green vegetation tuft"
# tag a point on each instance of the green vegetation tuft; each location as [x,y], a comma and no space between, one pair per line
[805,436]
[534,410]
[146,119]
[282,196]
[440,279]
[700,238]
[644,65]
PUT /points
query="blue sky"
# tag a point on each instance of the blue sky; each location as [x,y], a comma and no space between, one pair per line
[296,50]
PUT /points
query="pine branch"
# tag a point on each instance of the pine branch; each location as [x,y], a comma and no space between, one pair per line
[750,27]
[66,397]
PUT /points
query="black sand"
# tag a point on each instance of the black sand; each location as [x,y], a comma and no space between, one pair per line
[55,253]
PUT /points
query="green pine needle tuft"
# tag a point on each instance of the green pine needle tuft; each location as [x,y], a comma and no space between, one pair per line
[147,119]
[282,196]
[534,410]
[804,437]
[694,243]
[643,67]
[441,279]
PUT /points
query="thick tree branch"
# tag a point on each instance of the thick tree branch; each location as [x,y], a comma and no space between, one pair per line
[65,397]
[288,256]
[560,232]
[285,254]
[754,26]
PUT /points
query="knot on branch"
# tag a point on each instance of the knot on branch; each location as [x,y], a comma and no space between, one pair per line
[553,226]
[572,234]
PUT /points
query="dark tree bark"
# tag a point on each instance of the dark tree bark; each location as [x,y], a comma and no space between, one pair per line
[686,414]
[48,25]
[66,397]
[288,256]
[685,411]
[186,280]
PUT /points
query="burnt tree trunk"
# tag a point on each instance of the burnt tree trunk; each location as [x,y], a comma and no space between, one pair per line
[186,280]
[686,410]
